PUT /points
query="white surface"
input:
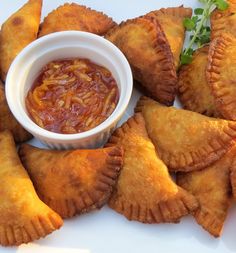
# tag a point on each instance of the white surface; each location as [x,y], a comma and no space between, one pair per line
[31,60]
[105,231]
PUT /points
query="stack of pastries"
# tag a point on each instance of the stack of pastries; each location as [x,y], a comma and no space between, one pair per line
[132,172]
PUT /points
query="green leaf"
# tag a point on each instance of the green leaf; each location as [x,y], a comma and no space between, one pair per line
[185,58]
[189,24]
[195,19]
[190,51]
[203,1]
[198,11]
[221,4]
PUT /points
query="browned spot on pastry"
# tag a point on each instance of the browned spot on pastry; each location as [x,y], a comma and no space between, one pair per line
[20,29]
[17,21]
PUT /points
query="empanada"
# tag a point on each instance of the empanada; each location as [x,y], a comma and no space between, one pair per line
[20,29]
[224,21]
[221,74]
[211,186]
[8,122]
[76,17]
[73,182]
[145,191]
[186,140]
[171,20]
[23,216]
[194,91]
[144,44]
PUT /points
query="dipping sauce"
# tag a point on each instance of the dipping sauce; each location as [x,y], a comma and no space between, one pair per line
[72,96]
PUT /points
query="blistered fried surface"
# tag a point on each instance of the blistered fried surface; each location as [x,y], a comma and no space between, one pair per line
[224,21]
[186,140]
[144,44]
[76,17]
[171,20]
[8,122]
[221,74]
[145,191]
[19,30]
[194,90]
[211,186]
[73,182]
[24,217]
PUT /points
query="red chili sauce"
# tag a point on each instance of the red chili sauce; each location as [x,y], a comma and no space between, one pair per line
[72,96]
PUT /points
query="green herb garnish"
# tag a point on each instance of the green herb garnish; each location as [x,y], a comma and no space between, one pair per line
[199,28]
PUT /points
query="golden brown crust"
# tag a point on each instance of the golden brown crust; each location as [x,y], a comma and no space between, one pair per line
[233,177]
[186,140]
[73,182]
[145,191]
[24,217]
[223,21]
[171,21]
[8,122]
[211,186]
[144,44]
[13,35]
[221,74]
[194,91]
[76,17]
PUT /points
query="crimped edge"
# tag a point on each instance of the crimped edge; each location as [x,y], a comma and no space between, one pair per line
[38,227]
[233,177]
[85,8]
[197,160]
[216,57]
[163,93]
[209,221]
[185,93]
[218,20]
[170,210]
[204,217]
[179,12]
[89,200]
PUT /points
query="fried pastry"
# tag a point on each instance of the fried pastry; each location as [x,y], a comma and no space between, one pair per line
[194,91]
[224,21]
[17,32]
[211,186]
[8,122]
[145,191]
[233,178]
[186,140]
[24,217]
[76,17]
[171,20]
[144,44]
[73,182]
[221,74]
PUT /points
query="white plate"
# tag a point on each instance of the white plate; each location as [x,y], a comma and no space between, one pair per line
[106,231]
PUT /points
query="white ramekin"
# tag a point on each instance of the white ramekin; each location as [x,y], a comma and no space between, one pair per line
[30,61]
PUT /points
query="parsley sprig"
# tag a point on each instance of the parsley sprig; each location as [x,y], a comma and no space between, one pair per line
[199,28]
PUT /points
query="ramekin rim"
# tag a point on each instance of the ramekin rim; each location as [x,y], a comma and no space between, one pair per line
[38,131]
